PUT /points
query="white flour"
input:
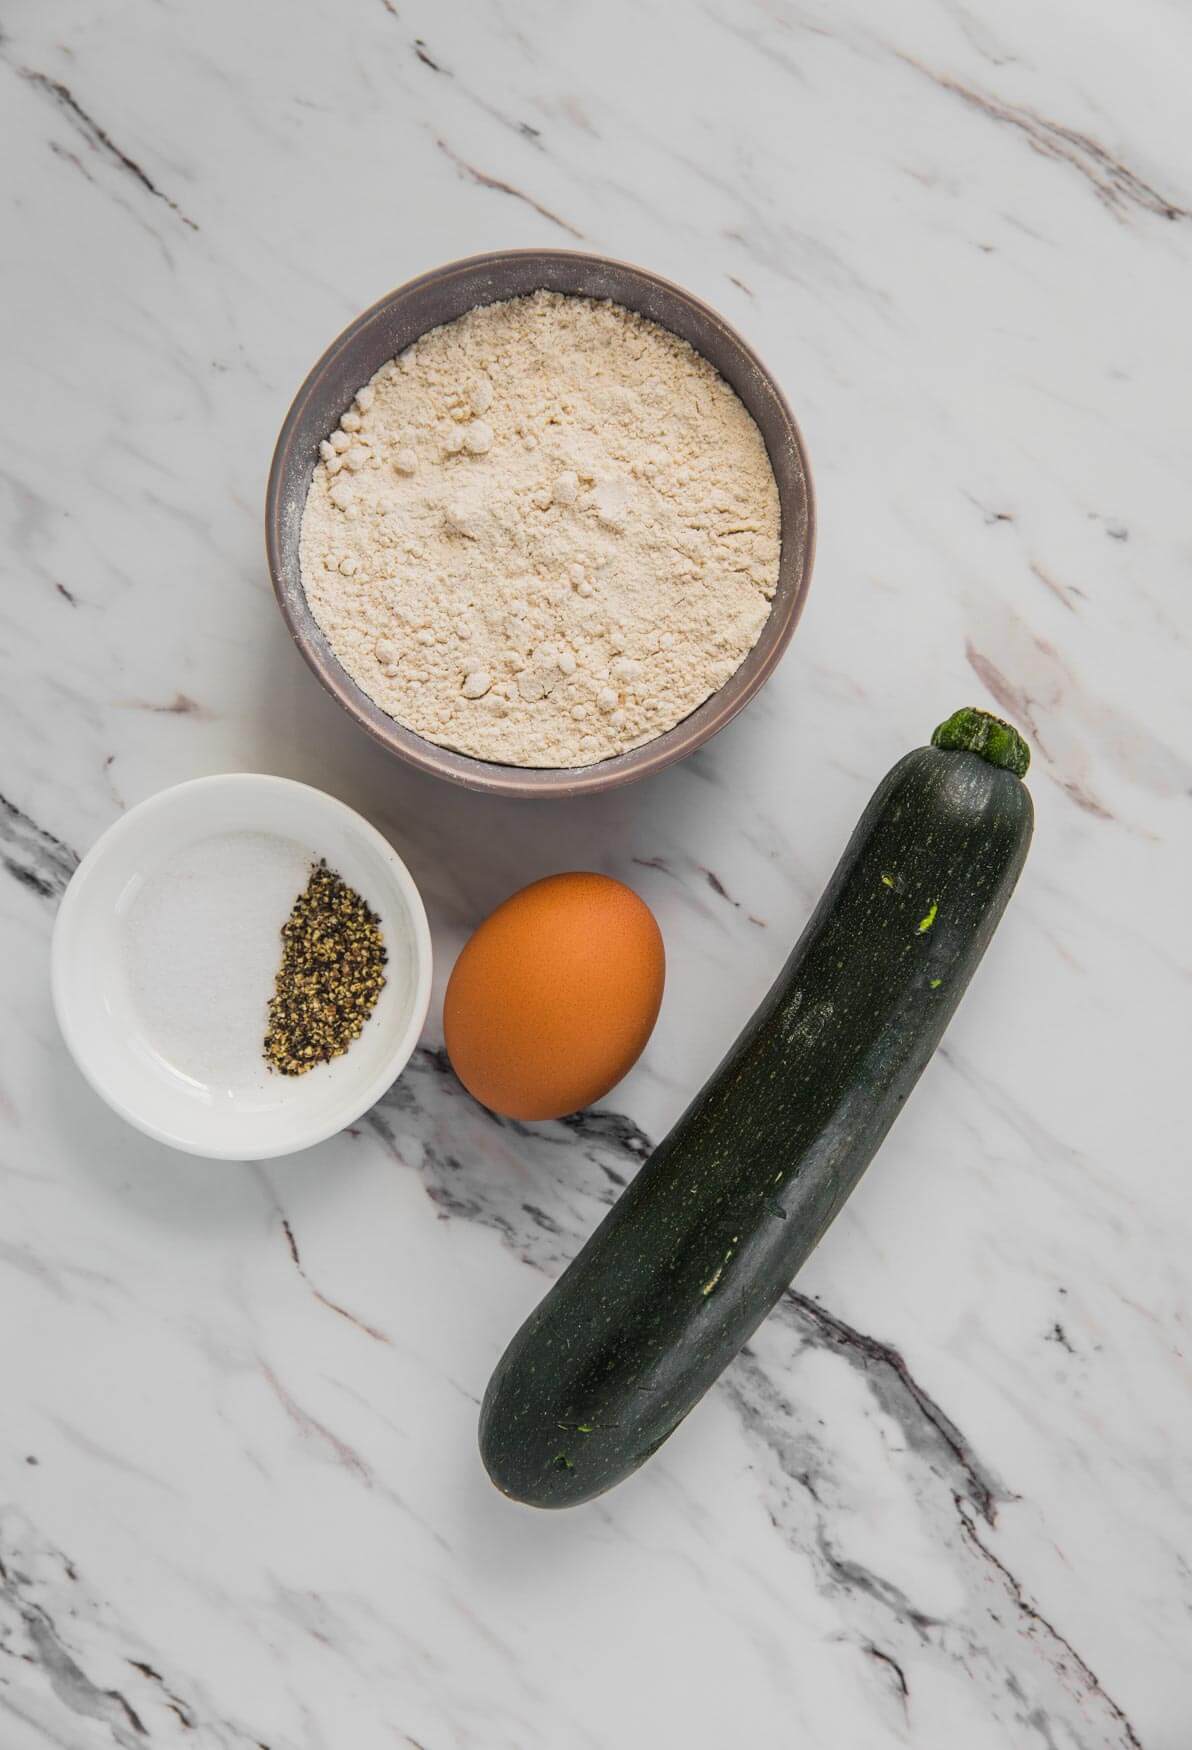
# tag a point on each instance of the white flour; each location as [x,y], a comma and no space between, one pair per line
[544,534]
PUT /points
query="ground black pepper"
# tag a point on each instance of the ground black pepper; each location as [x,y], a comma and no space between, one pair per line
[330,977]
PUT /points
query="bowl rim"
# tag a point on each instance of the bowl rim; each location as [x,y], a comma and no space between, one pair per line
[468,770]
[75,897]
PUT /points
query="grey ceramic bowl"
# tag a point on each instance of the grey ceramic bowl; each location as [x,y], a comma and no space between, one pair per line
[393,324]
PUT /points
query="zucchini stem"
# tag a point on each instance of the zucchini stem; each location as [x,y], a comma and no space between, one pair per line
[971,730]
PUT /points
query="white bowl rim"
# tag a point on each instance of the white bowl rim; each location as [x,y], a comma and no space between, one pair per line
[394,1062]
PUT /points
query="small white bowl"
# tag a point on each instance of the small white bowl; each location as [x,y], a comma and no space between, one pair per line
[264,1113]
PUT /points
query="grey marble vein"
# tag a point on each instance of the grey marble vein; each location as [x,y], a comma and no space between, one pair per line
[1116,186]
[33,856]
[97,137]
[483,179]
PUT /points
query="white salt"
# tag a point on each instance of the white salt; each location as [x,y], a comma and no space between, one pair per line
[202,944]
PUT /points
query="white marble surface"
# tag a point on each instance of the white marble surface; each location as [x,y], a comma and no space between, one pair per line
[945,1499]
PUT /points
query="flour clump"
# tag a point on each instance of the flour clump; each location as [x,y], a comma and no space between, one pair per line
[544,534]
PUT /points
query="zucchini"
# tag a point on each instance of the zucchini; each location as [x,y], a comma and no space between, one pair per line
[700,1246]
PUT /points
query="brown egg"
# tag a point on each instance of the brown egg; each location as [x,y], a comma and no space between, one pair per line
[554,997]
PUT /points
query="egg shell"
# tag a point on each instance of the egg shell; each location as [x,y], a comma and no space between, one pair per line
[553,998]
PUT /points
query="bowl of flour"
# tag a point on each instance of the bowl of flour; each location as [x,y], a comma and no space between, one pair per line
[541,522]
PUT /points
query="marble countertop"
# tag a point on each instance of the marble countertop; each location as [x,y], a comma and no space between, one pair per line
[943,1499]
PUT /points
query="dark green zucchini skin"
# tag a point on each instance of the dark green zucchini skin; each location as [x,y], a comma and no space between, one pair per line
[701,1244]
